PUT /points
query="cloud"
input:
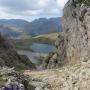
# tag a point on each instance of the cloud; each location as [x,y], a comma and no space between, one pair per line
[31,8]
[61,3]
[24,4]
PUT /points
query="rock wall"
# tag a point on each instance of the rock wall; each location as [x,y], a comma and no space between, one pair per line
[9,57]
[76,26]
[74,45]
[58,58]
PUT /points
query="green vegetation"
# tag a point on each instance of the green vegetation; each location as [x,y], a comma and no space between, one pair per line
[25,43]
[46,38]
[86,2]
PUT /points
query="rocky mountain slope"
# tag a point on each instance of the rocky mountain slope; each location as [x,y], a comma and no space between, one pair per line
[73,54]
[76,77]
[9,57]
[74,45]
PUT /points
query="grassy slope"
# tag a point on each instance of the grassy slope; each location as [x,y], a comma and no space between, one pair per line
[22,44]
[26,42]
[46,38]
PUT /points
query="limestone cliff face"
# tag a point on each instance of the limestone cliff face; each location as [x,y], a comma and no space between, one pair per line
[76,26]
[74,45]
[9,57]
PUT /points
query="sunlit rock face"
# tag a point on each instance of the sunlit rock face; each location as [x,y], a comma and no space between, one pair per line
[76,26]
[74,45]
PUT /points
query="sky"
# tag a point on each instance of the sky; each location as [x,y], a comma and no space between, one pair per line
[31,9]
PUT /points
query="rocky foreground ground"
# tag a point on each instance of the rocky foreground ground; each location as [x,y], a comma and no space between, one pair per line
[75,77]
[73,56]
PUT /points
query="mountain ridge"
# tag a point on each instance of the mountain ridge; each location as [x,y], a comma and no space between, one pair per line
[36,27]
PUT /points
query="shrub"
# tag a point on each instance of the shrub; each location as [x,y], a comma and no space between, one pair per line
[85,2]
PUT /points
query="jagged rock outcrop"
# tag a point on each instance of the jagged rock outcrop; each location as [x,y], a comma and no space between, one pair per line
[76,25]
[75,77]
[56,59]
[74,45]
[9,57]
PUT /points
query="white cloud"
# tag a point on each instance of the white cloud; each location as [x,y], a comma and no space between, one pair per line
[61,3]
[27,8]
[42,3]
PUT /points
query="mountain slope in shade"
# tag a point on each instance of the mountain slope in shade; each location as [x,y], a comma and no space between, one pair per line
[9,57]
[13,22]
[12,27]
[8,31]
[44,26]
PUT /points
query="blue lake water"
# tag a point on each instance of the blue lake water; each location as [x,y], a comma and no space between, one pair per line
[42,48]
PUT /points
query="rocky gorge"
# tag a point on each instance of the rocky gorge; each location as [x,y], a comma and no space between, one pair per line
[69,67]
